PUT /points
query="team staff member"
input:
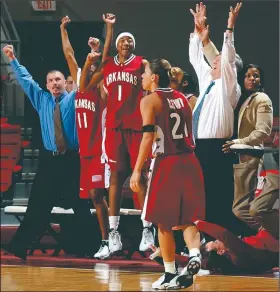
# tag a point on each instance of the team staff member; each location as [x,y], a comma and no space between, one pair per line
[59,165]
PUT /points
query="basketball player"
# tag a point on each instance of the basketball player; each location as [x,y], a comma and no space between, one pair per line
[183,82]
[90,117]
[122,81]
[175,195]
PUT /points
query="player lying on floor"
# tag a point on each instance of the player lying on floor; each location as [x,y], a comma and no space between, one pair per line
[229,254]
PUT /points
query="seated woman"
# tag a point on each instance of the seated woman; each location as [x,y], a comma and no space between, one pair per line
[253,124]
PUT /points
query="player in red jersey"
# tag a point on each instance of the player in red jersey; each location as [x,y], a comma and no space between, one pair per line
[122,81]
[90,119]
[175,195]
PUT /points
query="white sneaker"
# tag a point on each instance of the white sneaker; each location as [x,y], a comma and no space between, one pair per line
[148,238]
[103,252]
[115,243]
[166,281]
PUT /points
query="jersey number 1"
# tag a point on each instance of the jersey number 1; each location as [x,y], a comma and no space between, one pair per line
[82,122]
[119,92]
[175,133]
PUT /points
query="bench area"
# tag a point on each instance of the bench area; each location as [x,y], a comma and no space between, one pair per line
[130,220]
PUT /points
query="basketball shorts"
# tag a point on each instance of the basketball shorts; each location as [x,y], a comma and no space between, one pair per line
[175,194]
[121,148]
[94,175]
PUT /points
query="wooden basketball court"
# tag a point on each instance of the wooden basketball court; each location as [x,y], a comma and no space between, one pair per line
[103,277]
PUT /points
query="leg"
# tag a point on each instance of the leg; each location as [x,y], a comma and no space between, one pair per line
[133,141]
[167,246]
[39,207]
[245,182]
[262,208]
[149,232]
[100,204]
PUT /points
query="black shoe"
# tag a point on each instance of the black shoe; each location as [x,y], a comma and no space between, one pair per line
[20,253]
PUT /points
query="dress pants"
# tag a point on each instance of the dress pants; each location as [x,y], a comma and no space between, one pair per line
[56,182]
[217,170]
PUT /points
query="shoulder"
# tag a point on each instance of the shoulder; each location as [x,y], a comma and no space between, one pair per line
[262,98]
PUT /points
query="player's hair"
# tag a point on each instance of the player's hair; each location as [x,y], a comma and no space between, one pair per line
[162,68]
[241,77]
[216,263]
[180,76]
[54,71]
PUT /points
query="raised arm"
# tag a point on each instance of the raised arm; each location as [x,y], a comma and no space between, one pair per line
[91,60]
[110,20]
[29,86]
[67,49]
[196,57]
[230,86]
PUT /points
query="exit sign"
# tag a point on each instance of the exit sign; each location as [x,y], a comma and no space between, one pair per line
[44,5]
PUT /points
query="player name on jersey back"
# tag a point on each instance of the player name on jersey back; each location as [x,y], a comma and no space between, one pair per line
[173,124]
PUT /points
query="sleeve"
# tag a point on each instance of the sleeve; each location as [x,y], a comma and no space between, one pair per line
[230,86]
[210,52]
[79,76]
[202,69]
[264,121]
[30,87]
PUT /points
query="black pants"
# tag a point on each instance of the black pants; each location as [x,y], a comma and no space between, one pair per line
[217,169]
[56,184]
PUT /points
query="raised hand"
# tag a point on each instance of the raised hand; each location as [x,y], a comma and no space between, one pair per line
[94,44]
[199,15]
[93,57]
[9,52]
[233,14]
[65,21]
[109,18]
[203,32]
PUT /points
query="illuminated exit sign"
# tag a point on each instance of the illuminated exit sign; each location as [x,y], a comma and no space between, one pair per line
[45,5]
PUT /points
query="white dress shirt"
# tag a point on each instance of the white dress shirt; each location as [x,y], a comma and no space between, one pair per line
[217,113]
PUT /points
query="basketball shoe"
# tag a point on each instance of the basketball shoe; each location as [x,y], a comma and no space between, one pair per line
[148,238]
[115,243]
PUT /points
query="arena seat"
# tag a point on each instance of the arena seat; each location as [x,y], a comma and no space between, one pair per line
[19,211]
[11,136]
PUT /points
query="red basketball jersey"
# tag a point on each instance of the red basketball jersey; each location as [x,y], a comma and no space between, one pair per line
[174,124]
[90,119]
[123,82]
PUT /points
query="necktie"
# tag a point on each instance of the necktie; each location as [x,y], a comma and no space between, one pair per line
[197,112]
[59,139]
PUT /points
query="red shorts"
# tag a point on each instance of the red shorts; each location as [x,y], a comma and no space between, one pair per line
[122,148]
[175,194]
[92,175]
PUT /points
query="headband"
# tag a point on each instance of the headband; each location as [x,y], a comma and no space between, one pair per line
[124,34]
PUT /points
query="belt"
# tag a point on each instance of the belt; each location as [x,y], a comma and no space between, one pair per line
[57,153]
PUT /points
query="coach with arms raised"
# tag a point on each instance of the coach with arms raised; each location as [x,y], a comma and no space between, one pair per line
[58,171]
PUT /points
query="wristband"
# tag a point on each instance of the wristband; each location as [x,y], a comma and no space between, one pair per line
[231,29]
[148,128]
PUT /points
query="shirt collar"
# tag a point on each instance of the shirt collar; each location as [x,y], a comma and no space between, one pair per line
[61,96]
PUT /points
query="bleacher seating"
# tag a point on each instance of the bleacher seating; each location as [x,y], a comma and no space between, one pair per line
[10,149]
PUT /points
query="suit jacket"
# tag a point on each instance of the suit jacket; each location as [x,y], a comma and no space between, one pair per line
[256,114]
[255,120]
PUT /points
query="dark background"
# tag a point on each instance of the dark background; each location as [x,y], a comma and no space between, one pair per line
[161,29]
